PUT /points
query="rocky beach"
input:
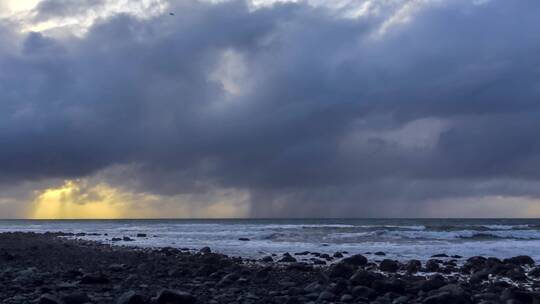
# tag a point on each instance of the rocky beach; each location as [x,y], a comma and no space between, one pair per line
[51,268]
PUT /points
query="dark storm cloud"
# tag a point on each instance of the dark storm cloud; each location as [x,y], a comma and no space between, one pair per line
[331,111]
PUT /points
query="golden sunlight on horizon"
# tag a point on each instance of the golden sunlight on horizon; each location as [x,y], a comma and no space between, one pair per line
[80,199]
[69,201]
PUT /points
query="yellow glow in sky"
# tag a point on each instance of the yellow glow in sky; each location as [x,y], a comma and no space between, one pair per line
[69,201]
[80,199]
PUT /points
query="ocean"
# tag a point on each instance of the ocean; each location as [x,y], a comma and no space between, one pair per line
[400,239]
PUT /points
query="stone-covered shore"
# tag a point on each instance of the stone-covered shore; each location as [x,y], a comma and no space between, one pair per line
[48,269]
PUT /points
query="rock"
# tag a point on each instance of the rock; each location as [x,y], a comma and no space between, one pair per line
[287,258]
[357,260]
[267,259]
[362,277]
[326,257]
[6,256]
[453,289]
[388,265]
[228,279]
[479,276]
[313,287]
[341,270]
[116,267]
[535,273]
[205,250]
[520,260]
[380,253]
[94,279]
[302,253]
[401,300]
[440,255]
[141,234]
[326,296]
[318,261]
[455,256]
[346,298]
[432,265]
[474,264]
[76,298]
[338,255]
[127,239]
[48,299]
[388,285]
[115,239]
[364,292]
[445,298]
[243,239]
[131,297]
[413,266]
[167,296]
[435,282]
[300,266]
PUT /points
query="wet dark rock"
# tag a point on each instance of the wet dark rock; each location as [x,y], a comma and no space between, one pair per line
[287,258]
[141,235]
[413,266]
[535,272]
[338,255]
[168,296]
[362,277]
[520,260]
[302,253]
[357,259]
[326,296]
[228,279]
[479,276]
[205,250]
[94,279]
[388,265]
[364,292]
[131,297]
[300,266]
[388,285]
[474,264]
[380,253]
[440,255]
[6,256]
[432,265]
[243,239]
[127,239]
[455,256]
[115,239]
[48,299]
[341,270]
[267,259]
[434,282]
[75,298]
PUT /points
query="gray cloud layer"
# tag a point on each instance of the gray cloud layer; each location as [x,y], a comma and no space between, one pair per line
[323,110]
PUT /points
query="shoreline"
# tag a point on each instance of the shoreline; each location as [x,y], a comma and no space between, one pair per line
[50,268]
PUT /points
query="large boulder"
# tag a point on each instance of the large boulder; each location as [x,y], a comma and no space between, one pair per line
[388,265]
[357,260]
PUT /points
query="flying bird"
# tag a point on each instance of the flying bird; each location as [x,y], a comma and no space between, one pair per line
[171,13]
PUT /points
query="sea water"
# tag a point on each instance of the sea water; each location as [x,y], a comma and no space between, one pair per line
[400,239]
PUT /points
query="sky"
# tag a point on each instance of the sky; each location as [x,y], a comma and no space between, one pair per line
[264,108]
